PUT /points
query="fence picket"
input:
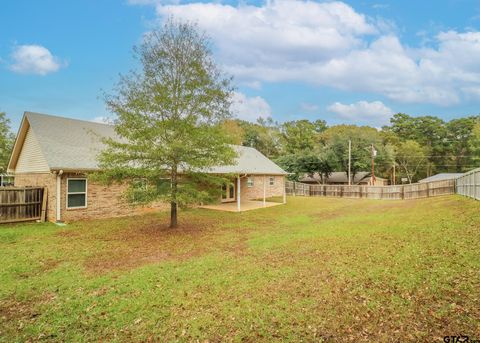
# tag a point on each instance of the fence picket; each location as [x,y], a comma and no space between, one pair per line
[21,204]
[469,184]
[398,192]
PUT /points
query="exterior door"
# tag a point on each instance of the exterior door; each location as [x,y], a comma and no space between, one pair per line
[228,192]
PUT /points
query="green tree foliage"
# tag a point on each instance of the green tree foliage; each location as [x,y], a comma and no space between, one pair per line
[410,156]
[301,135]
[234,131]
[307,163]
[335,140]
[446,143]
[169,120]
[459,143]
[474,143]
[6,142]
[263,136]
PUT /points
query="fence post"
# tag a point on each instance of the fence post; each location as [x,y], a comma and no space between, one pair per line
[44,204]
[403,192]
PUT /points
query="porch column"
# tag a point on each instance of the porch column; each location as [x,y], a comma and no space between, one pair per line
[264,190]
[58,205]
[238,193]
[284,191]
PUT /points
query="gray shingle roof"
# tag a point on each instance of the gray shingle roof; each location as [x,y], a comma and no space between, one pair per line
[338,177]
[441,176]
[73,144]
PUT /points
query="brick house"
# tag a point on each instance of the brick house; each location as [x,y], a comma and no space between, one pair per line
[58,153]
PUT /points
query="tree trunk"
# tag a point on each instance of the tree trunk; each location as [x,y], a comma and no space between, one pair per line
[173,215]
[173,202]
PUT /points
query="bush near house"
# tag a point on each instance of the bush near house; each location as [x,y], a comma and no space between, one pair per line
[312,270]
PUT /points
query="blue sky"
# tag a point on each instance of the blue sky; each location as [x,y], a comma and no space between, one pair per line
[352,62]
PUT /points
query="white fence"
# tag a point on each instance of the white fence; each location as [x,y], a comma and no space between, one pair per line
[469,184]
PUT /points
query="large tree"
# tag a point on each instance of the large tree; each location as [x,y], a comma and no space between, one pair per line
[309,163]
[301,135]
[262,135]
[6,142]
[474,144]
[335,140]
[169,120]
[459,136]
[411,157]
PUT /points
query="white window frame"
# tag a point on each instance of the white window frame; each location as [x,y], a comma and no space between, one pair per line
[271,180]
[250,182]
[68,193]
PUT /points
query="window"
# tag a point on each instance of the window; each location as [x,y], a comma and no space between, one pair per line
[76,193]
[272,180]
[250,182]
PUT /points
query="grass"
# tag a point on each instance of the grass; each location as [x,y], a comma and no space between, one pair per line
[314,270]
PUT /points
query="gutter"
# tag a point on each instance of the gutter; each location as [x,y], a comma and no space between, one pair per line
[58,200]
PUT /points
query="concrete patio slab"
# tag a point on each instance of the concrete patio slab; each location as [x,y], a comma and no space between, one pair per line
[244,206]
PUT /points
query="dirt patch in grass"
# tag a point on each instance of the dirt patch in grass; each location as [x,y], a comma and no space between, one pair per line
[135,245]
[23,310]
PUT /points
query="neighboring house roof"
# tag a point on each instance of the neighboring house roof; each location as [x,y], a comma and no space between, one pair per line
[72,144]
[441,177]
[339,177]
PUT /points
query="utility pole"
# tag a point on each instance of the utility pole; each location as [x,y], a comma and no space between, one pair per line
[374,153]
[394,180]
[349,161]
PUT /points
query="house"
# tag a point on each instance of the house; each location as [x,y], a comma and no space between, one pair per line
[441,177]
[58,153]
[341,178]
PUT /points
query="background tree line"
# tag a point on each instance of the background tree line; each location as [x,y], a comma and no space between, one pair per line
[418,146]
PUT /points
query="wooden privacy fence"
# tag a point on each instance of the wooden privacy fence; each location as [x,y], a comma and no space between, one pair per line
[22,204]
[410,191]
[469,184]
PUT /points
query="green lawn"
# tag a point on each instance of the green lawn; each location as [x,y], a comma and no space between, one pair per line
[314,270]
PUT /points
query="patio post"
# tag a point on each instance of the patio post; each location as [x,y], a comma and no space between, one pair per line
[238,193]
[264,189]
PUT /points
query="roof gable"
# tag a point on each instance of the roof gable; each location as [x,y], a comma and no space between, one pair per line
[31,158]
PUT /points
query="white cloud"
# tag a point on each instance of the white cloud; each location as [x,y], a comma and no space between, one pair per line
[374,112]
[250,108]
[331,44]
[34,59]
[309,107]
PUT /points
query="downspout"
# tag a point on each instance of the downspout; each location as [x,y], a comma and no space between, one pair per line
[58,209]
[238,194]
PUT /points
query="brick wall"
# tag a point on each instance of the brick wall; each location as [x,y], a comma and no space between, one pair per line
[256,192]
[102,201]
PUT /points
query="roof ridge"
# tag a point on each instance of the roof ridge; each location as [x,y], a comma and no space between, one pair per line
[65,118]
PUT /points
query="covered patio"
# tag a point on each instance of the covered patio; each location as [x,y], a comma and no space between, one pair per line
[233,200]
[245,205]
